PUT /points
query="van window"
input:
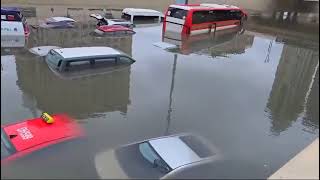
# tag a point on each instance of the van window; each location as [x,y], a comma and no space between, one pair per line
[105,61]
[54,58]
[177,13]
[199,17]
[124,60]
[76,65]
[235,15]
[224,15]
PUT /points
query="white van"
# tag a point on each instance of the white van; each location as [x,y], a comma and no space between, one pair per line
[13,23]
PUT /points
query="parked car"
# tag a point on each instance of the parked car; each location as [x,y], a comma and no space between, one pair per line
[58,22]
[22,138]
[13,22]
[161,157]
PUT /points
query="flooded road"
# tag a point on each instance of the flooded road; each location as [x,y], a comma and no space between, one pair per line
[254,95]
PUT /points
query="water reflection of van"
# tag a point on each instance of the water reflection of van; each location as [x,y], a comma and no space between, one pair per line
[70,62]
[191,44]
[12,41]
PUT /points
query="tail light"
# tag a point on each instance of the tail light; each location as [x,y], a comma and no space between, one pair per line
[11,17]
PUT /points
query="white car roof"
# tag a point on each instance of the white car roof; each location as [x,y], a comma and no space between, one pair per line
[86,51]
[174,151]
[141,12]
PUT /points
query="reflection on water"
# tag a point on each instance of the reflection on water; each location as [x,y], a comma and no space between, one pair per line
[270,83]
[220,43]
[79,36]
[293,80]
[101,93]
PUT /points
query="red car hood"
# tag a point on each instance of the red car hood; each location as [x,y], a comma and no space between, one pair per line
[34,132]
[113,28]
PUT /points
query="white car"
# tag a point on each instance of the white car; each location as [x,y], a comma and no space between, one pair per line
[104,21]
[158,158]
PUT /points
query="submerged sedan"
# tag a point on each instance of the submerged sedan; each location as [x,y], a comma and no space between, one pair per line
[162,157]
[22,138]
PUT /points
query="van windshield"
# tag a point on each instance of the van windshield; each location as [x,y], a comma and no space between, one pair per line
[177,13]
[53,58]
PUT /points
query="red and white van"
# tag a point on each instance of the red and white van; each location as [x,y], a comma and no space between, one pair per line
[194,19]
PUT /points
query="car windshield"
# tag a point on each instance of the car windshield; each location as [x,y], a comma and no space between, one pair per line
[149,154]
[6,147]
[54,58]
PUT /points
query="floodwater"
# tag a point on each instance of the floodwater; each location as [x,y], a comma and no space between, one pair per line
[254,94]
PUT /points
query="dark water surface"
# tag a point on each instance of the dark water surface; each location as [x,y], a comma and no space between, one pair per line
[254,95]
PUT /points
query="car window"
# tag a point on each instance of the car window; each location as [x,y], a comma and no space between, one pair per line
[149,154]
[125,60]
[105,61]
[77,65]
[54,58]
[7,148]
[198,146]
[177,13]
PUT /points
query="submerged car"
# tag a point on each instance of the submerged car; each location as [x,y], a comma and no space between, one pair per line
[13,22]
[58,22]
[22,138]
[85,60]
[113,30]
[162,157]
[104,21]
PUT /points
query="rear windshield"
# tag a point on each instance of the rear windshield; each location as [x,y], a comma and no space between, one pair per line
[7,148]
[177,13]
[11,17]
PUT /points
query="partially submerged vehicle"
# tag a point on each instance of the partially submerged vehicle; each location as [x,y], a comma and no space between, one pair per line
[131,13]
[13,22]
[22,138]
[157,158]
[70,63]
[58,22]
[202,18]
[113,30]
[104,21]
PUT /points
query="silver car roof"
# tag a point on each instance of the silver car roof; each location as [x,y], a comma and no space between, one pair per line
[174,151]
